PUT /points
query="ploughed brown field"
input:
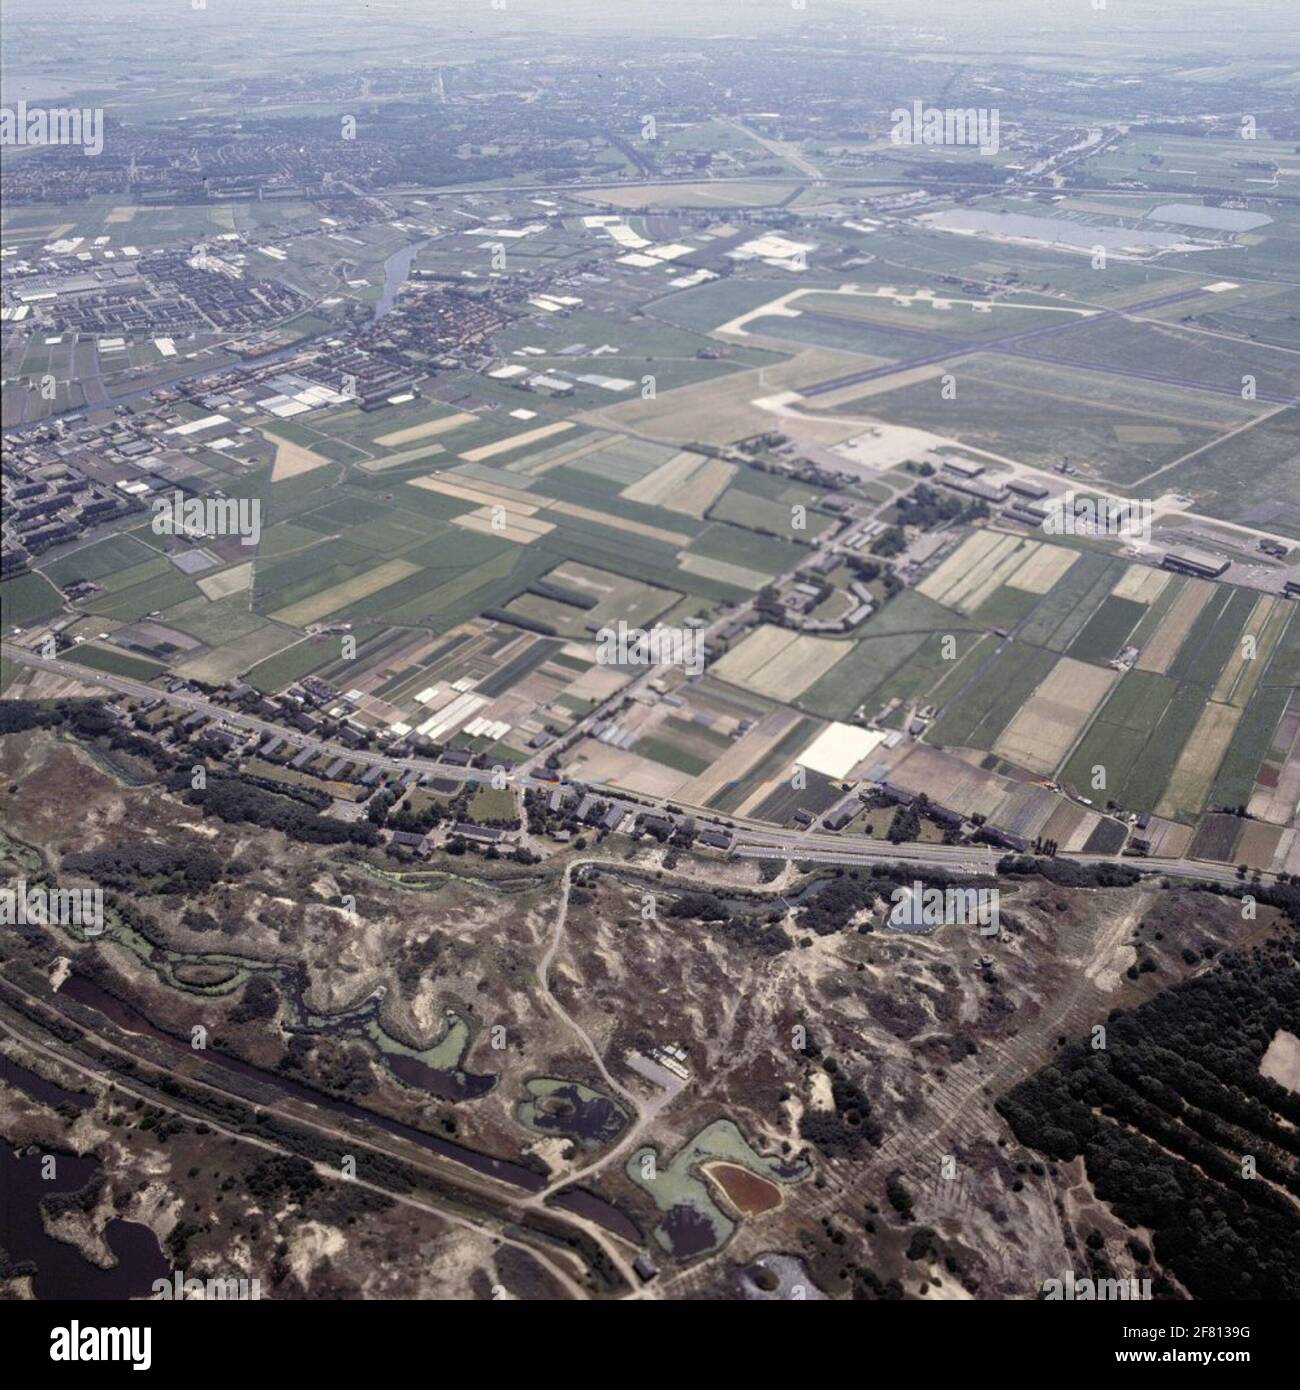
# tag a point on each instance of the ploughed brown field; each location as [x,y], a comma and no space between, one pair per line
[746,1191]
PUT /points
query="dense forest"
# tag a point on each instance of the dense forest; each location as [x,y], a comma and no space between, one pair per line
[149,868]
[238,799]
[1180,1132]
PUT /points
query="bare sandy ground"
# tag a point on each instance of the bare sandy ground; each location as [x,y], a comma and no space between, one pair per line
[231,581]
[292,459]
[516,441]
[429,430]
[1281,1063]
[727,408]
[1160,651]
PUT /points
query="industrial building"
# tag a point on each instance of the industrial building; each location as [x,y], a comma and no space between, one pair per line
[1202,563]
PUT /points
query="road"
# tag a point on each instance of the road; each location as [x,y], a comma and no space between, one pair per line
[784,150]
[754,840]
[644,1112]
[823,849]
[123,685]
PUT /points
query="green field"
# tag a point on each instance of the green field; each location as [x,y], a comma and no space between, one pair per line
[27,599]
[1120,732]
[115,662]
[1284,668]
[292,664]
[491,803]
[1007,606]
[1071,601]
[1143,781]
[1249,748]
[673,755]
[1107,631]
[975,717]
[101,558]
[899,652]
[744,508]
[138,601]
[1213,636]
[217,622]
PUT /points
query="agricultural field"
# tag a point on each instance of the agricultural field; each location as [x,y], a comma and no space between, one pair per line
[28,599]
[524,540]
[421,549]
[766,502]
[777,663]
[439,521]
[576,599]
[1045,727]
[1187,720]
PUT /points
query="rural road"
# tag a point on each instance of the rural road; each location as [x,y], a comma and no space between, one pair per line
[753,840]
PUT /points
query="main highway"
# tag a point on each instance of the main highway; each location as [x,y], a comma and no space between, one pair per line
[754,839]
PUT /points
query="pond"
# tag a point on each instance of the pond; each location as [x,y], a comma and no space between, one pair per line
[61,1270]
[692,1223]
[575,1111]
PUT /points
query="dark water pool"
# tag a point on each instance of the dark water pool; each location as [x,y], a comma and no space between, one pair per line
[61,1270]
